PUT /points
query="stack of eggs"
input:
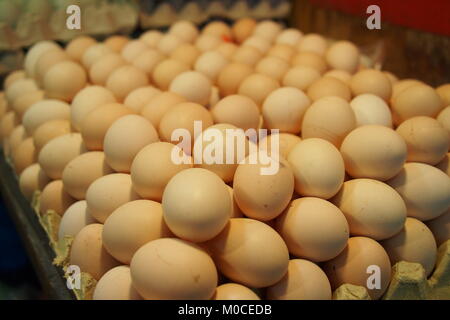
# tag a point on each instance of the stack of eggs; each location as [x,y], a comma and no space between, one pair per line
[363,163]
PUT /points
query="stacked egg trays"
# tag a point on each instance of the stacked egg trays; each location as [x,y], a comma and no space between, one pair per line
[358,206]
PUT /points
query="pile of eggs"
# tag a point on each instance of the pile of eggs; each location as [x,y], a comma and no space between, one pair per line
[363,175]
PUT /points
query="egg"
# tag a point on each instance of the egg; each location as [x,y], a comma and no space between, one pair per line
[415,243]
[257,87]
[196,204]
[54,197]
[7,124]
[13,77]
[87,100]
[63,80]
[168,43]
[290,36]
[151,38]
[74,219]
[138,98]
[352,266]
[416,100]
[329,118]
[304,280]
[401,85]
[43,111]
[342,75]
[166,71]
[426,139]
[218,29]
[49,130]
[260,195]
[131,226]
[192,85]
[234,291]
[440,227]
[147,60]
[392,77]
[262,259]
[382,161]
[371,109]
[81,171]
[19,88]
[300,77]
[273,67]
[133,49]
[183,116]
[116,284]
[259,43]
[371,81]
[88,253]
[186,53]
[286,142]
[24,155]
[16,137]
[116,42]
[125,138]
[100,70]
[310,59]
[425,190]
[237,110]
[444,92]
[206,42]
[157,107]
[329,87]
[22,103]
[3,105]
[235,210]
[284,108]
[58,152]
[343,55]
[231,76]
[444,119]
[227,49]
[48,60]
[313,42]
[210,63]
[35,52]
[78,46]
[243,29]
[31,179]
[247,55]
[267,29]
[444,165]
[125,79]
[185,30]
[173,269]
[318,168]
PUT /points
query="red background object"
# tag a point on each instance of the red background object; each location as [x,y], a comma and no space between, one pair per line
[427,15]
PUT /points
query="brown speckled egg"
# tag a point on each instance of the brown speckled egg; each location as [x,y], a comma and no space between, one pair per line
[192,85]
[88,253]
[97,122]
[257,87]
[153,167]
[155,109]
[81,171]
[64,79]
[440,227]
[131,226]
[78,46]
[116,284]
[166,71]
[102,69]
[24,155]
[343,55]
[173,269]
[49,130]
[327,87]
[32,179]
[304,280]
[415,243]
[231,76]
[55,198]
[234,291]
[300,77]
[262,259]
[371,81]
[74,219]
[138,98]
[329,118]
[43,111]
[351,265]
[243,29]
[126,79]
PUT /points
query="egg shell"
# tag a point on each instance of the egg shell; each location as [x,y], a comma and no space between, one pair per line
[46,61]
[74,219]
[424,188]
[116,284]
[116,42]
[187,53]
[207,42]
[273,67]
[351,266]
[243,29]
[185,30]
[286,142]
[157,107]
[48,131]
[259,195]
[133,49]
[147,61]
[43,111]
[371,109]
[88,253]
[383,160]
[235,210]
[168,43]
[124,80]
[298,227]
[35,52]
[282,51]
[131,226]
[343,55]
[444,119]
[250,252]
[192,85]
[329,118]
[63,80]
[327,87]
[196,204]
[58,152]
[55,198]
[151,38]
[82,170]
[444,92]
[300,77]
[78,46]
[257,87]
[440,227]
[24,155]
[234,291]
[310,59]
[373,209]
[138,98]
[401,85]
[107,193]
[210,63]
[13,77]
[313,42]
[371,81]
[342,75]
[166,71]
[257,42]
[173,269]
[247,55]
[7,125]
[426,139]
[318,168]
[125,138]
[304,280]
[97,122]
[87,100]
[22,103]
[100,70]
[444,165]
[289,36]
[231,76]
[16,137]
[31,179]
[20,88]
[218,29]
[267,29]
[415,243]
[227,49]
